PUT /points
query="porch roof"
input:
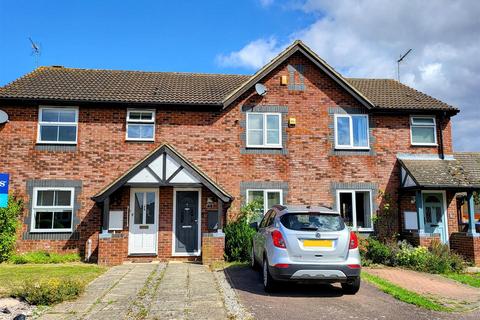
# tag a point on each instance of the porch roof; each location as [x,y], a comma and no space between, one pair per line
[164,166]
[461,172]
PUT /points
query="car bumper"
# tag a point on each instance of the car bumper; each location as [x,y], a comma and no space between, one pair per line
[321,273]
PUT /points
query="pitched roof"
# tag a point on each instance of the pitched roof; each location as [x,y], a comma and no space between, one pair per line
[391,94]
[166,154]
[117,86]
[462,172]
[68,84]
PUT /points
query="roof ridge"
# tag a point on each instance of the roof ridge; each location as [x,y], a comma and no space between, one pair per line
[140,71]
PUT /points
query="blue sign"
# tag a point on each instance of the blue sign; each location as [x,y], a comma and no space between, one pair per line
[4,190]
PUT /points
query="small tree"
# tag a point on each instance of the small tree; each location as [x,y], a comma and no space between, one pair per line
[8,226]
[239,234]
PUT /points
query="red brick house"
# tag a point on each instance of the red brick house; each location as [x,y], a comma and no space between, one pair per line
[126,165]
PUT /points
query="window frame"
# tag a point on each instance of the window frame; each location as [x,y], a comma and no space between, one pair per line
[265,197]
[36,208]
[41,122]
[354,207]
[434,125]
[140,122]
[351,145]
[278,145]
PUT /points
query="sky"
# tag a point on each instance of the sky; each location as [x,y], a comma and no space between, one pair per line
[360,38]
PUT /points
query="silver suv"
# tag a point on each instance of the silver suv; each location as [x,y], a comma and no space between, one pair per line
[306,243]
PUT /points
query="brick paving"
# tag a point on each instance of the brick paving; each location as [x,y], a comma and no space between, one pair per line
[147,291]
[447,291]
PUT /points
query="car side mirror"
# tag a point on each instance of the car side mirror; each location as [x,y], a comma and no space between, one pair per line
[254,225]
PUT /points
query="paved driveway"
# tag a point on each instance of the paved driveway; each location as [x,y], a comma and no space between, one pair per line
[325,302]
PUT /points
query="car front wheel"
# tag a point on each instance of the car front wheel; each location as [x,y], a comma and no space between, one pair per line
[268,282]
[351,287]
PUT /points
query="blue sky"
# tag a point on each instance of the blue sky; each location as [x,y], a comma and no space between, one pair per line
[358,38]
[137,35]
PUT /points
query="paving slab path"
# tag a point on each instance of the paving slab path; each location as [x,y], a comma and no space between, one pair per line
[147,291]
[446,291]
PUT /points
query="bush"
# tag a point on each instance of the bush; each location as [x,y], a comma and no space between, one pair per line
[50,291]
[42,257]
[239,234]
[8,226]
[437,259]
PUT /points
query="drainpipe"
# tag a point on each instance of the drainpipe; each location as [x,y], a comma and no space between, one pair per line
[442,118]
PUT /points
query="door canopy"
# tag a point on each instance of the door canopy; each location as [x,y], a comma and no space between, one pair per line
[164,166]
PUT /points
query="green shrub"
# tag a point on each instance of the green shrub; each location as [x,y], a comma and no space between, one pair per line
[9,223]
[437,259]
[42,257]
[239,234]
[51,291]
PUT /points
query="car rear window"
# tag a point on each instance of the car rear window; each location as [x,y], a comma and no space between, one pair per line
[312,221]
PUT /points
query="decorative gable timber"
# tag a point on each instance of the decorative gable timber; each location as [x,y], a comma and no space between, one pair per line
[407,179]
[164,166]
[298,46]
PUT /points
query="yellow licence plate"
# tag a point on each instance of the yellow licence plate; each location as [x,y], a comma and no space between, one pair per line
[318,243]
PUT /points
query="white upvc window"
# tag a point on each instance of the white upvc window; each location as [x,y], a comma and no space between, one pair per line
[52,209]
[355,206]
[268,197]
[57,125]
[423,131]
[140,125]
[351,131]
[264,130]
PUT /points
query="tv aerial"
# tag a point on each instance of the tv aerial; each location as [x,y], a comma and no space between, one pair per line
[261,89]
[400,60]
[35,51]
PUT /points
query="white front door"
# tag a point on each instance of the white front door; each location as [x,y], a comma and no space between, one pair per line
[142,237]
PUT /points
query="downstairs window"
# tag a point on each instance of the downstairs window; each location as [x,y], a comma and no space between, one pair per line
[52,210]
[268,198]
[356,208]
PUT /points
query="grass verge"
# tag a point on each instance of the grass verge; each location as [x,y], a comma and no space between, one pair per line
[43,257]
[404,295]
[471,279]
[13,277]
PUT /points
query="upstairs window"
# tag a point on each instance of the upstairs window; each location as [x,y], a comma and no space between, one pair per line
[57,125]
[141,125]
[351,131]
[267,197]
[264,130]
[423,131]
[52,210]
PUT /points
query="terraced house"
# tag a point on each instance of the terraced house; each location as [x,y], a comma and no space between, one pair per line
[127,165]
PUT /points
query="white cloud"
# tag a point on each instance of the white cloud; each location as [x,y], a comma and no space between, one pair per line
[254,55]
[266,3]
[365,38]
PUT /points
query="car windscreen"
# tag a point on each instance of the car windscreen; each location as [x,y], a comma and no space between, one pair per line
[312,221]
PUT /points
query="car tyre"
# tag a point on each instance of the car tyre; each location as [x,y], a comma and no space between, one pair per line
[269,283]
[351,287]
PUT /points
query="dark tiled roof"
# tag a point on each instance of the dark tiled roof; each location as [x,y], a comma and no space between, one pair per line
[68,84]
[391,94]
[57,83]
[463,171]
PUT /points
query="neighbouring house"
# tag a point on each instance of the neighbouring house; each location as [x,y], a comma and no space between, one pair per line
[135,166]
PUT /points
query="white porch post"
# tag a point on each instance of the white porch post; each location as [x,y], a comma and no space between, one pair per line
[471,214]
[420,212]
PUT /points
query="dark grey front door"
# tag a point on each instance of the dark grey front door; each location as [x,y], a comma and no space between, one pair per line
[186,222]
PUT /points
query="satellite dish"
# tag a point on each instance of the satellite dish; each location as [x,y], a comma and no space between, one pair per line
[3,117]
[260,89]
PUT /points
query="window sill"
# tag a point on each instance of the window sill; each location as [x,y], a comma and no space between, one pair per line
[264,147]
[139,140]
[433,145]
[52,231]
[352,149]
[43,143]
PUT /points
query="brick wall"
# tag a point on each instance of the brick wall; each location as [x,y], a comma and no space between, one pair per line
[112,251]
[467,246]
[212,140]
[213,247]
